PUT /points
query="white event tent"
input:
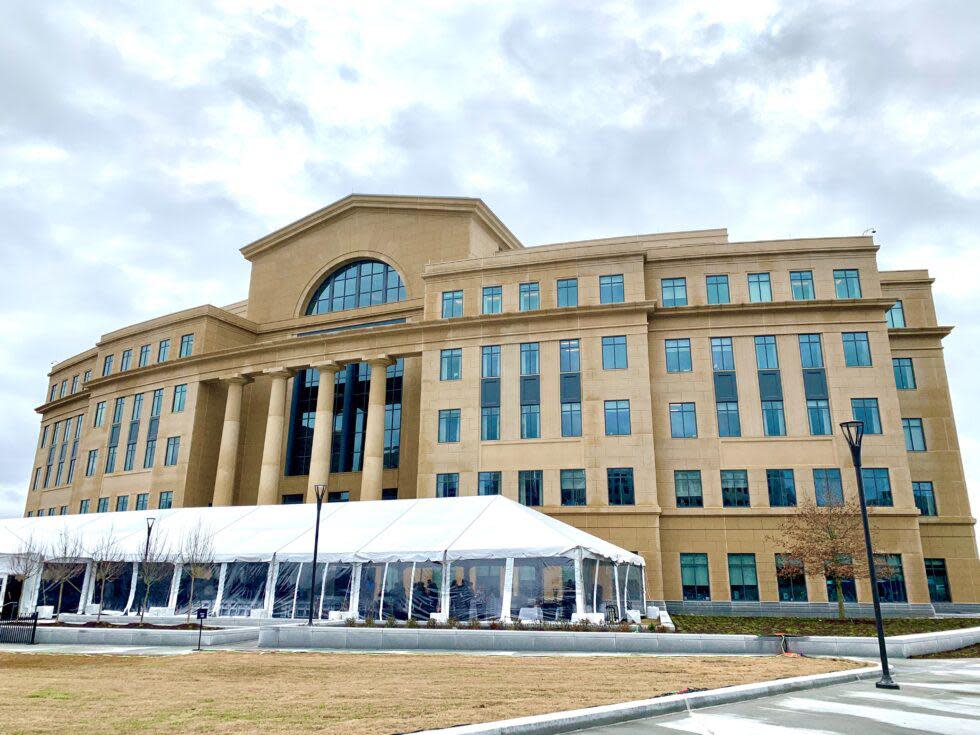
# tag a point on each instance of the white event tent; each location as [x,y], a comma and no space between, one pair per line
[482,558]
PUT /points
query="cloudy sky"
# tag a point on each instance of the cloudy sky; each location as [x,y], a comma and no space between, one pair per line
[141,145]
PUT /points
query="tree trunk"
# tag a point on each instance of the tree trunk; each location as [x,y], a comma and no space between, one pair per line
[146,601]
[61,589]
[840,598]
[190,602]
[98,618]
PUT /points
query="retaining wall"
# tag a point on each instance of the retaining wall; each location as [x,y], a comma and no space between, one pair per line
[63,634]
[797,609]
[899,646]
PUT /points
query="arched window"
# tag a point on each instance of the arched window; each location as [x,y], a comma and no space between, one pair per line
[362,283]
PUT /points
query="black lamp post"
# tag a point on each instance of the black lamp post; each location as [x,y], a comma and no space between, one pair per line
[854,433]
[320,491]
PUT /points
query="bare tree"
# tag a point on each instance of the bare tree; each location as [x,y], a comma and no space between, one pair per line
[156,566]
[64,562]
[829,538]
[197,557]
[107,565]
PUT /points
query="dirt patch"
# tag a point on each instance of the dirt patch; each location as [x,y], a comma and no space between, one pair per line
[229,693]
[144,626]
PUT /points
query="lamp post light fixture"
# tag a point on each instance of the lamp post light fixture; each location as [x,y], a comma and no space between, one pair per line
[854,433]
[320,492]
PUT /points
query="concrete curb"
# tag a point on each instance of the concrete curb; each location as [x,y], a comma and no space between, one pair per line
[898,646]
[611,714]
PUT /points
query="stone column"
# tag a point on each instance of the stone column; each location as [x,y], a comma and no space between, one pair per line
[272,449]
[374,430]
[322,427]
[224,480]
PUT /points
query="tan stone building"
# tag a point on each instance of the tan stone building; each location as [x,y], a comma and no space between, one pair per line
[674,393]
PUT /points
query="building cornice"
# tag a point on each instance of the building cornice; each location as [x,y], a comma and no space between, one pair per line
[207,311]
[911,332]
[78,359]
[879,305]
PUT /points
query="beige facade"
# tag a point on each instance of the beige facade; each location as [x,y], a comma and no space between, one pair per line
[240,428]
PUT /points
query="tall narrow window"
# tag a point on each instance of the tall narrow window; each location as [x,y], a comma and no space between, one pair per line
[529,487]
[490,361]
[687,489]
[790,579]
[683,421]
[678,355]
[490,392]
[186,345]
[490,423]
[614,353]
[904,373]
[84,505]
[673,292]
[451,364]
[529,296]
[925,498]
[570,387]
[877,486]
[620,485]
[142,501]
[694,577]
[125,360]
[915,436]
[782,488]
[718,292]
[938,581]
[166,500]
[617,418]
[180,398]
[801,284]
[573,487]
[173,450]
[530,391]
[611,289]
[742,578]
[106,365]
[163,350]
[567,292]
[492,299]
[144,358]
[857,351]
[760,287]
[891,581]
[827,486]
[847,283]
[103,506]
[448,425]
[895,316]
[866,410]
[99,414]
[452,304]
[735,489]
[122,503]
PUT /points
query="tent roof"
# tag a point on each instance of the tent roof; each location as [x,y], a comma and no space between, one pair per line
[426,529]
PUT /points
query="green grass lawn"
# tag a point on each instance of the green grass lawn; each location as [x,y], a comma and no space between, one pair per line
[815,626]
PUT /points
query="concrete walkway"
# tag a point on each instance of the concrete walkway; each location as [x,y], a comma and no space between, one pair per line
[937,696]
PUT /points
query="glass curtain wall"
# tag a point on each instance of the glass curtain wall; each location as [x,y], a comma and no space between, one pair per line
[544,589]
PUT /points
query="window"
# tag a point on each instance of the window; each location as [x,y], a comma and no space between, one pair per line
[678,355]
[722,356]
[448,425]
[760,287]
[452,304]
[904,373]
[64,388]
[99,414]
[611,289]
[683,421]
[83,505]
[687,489]
[53,393]
[568,356]
[811,353]
[895,316]
[848,588]
[573,487]
[492,299]
[571,419]
[451,364]
[735,488]
[866,410]
[567,292]
[801,284]
[103,506]
[718,290]
[529,358]
[766,356]
[915,438]
[782,488]
[742,578]
[847,284]
[729,423]
[173,450]
[490,361]
[773,418]
[92,462]
[122,503]
[338,496]
[74,384]
[790,579]
[447,485]
[938,581]
[891,583]
[163,351]
[125,360]
[529,296]
[614,353]
[857,352]
[186,345]
[620,484]
[106,365]
[827,487]
[142,501]
[166,500]
[358,284]
[877,486]
[818,415]
[673,291]
[529,487]
[490,423]
[694,577]
[36,481]
[617,418]
[387,493]
[925,498]
[180,396]
[488,483]
[86,376]
[531,421]
[144,358]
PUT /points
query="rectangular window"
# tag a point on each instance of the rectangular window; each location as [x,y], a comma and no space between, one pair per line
[567,292]
[531,421]
[54,392]
[387,493]
[614,353]
[847,284]
[729,423]
[492,299]
[106,365]
[573,487]
[125,360]
[811,352]
[490,423]
[760,287]
[180,397]
[687,489]
[99,414]
[848,588]
[938,581]
[571,419]
[92,462]
[452,304]
[163,351]
[142,501]
[83,506]
[735,489]
[611,289]
[619,481]
[64,388]
[857,351]
[186,345]
[790,579]
[122,503]
[915,437]
[925,498]
[617,418]
[827,487]
[766,356]
[529,358]
[338,496]
[451,364]
[449,426]
[694,577]
[678,355]
[722,354]
[447,484]
[904,373]
[718,290]
[144,358]
[103,506]
[782,488]
[166,500]
[529,484]
[568,356]
[86,376]
[877,486]
[529,296]
[488,483]
[818,415]
[891,580]
[173,450]
[895,316]
[673,291]
[74,384]
[490,359]
[683,421]
[742,578]
[801,283]
[773,418]
[866,410]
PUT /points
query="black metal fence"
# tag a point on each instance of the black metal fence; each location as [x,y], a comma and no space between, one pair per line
[19,630]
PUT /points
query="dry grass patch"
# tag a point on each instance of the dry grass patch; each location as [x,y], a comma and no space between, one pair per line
[228,693]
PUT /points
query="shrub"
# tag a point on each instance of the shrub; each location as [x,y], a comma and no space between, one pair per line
[369,621]
[391,622]
[473,623]
[412,623]
[351,622]
[430,623]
